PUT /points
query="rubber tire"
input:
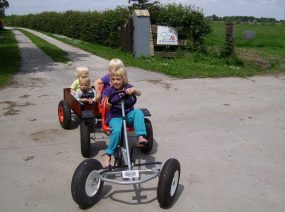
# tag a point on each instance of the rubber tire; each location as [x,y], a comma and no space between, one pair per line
[148,147]
[164,196]
[85,139]
[65,112]
[79,180]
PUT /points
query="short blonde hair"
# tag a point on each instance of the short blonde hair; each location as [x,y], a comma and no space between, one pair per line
[81,70]
[120,72]
[84,80]
[115,64]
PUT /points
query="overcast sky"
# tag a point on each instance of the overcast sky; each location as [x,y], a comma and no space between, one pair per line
[257,8]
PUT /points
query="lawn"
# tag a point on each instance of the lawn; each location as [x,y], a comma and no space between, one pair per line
[266,49]
[262,55]
[9,56]
[269,38]
[57,54]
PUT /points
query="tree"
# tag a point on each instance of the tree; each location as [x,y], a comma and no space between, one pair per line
[4,4]
[143,4]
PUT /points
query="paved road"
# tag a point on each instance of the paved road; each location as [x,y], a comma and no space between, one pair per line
[228,135]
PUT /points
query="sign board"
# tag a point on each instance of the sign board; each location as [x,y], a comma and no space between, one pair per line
[130,174]
[167,35]
[248,35]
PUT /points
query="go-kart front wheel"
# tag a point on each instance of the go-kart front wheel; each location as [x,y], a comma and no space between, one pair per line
[168,182]
[86,184]
[64,114]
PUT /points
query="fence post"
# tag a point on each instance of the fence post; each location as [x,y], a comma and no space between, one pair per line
[229,39]
[141,23]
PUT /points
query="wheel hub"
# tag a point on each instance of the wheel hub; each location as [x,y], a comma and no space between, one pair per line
[174,183]
[92,183]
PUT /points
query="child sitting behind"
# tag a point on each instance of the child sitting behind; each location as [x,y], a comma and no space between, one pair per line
[80,72]
[114,64]
[85,94]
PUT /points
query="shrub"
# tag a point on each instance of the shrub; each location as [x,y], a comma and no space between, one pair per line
[184,17]
[102,27]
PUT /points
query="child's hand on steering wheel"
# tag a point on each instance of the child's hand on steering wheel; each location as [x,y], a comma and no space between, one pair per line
[133,91]
[130,91]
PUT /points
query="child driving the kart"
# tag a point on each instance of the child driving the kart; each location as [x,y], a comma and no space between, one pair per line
[134,117]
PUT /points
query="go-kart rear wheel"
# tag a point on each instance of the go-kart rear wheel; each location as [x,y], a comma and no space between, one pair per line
[85,139]
[86,184]
[64,114]
[148,147]
[168,182]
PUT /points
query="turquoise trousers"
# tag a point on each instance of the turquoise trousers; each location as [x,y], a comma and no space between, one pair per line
[134,118]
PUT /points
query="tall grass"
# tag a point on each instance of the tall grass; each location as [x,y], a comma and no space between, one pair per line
[10,60]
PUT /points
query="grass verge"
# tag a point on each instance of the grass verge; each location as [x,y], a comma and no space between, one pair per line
[187,65]
[57,54]
[10,60]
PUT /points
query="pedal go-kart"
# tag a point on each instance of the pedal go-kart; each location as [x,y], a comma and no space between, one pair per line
[92,119]
[89,176]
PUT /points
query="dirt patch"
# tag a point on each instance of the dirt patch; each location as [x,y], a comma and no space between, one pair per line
[25,96]
[46,135]
[166,85]
[29,83]
[10,108]
[43,95]
[30,157]
[253,57]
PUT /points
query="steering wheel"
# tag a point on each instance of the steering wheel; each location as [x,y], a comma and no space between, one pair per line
[116,98]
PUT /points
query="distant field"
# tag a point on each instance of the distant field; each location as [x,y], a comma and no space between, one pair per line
[269,38]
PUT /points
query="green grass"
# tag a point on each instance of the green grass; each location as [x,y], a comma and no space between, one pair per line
[10,60]
[187,66]
[57,54]
[269,38]
[264,54]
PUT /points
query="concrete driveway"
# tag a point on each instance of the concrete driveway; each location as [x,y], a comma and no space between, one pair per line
[228,135]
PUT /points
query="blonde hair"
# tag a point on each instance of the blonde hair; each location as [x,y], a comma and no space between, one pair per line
[80,71]
[120,72]
[115,64]
[84,80]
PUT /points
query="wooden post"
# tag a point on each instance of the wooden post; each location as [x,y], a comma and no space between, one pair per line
[229,39]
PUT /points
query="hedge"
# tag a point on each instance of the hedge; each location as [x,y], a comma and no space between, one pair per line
[102,27]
